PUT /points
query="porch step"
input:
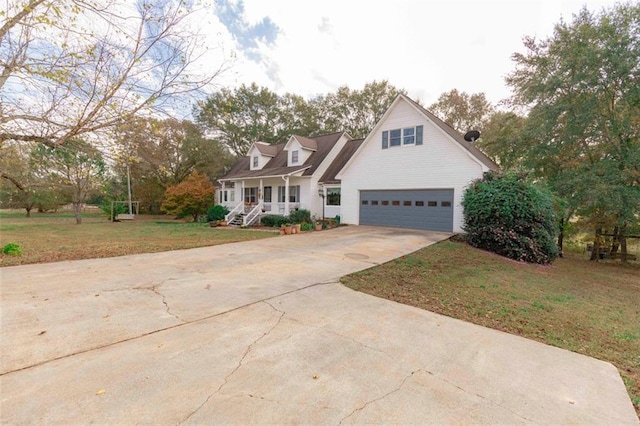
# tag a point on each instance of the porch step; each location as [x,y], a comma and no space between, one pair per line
[237,220]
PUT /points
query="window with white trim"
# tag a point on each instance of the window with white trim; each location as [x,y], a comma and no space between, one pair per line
[256,160]
[333,196]
[406,136]
[295,157]
[294,194]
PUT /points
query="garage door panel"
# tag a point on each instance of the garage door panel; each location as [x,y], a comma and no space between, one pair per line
[419,209]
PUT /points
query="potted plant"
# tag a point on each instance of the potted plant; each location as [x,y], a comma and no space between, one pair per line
[318,225]
[298,228]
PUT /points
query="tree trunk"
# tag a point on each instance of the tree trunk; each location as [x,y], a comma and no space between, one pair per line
[623,243]
[561,237]
[595,254]
[76,212]
[615,240]
[28,209]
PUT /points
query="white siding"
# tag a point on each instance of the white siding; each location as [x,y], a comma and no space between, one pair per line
[437,164]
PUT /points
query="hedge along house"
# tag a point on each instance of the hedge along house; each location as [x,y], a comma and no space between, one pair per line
[410,172]
[276,179]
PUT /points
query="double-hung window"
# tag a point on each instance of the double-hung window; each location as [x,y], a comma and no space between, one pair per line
[294,194]
[256,163]
[409,136]
[294,156]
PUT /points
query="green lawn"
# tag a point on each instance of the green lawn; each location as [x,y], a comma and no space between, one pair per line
[586,307]
[49,237]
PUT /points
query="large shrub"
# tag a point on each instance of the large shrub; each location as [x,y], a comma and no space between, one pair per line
[191,197]
[300,216]
[505,214]
[217,212]
[274,220]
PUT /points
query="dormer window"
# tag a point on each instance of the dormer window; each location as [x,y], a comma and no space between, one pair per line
[255,161]
[294,157]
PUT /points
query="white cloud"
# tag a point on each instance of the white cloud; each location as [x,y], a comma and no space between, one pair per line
[426,47]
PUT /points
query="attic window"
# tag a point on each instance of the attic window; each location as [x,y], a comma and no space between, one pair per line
[399,137]
[294,157]
[255,161]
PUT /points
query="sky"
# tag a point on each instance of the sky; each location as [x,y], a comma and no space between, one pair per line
[426,47]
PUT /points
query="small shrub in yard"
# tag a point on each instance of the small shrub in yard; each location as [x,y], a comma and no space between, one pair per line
[300,216]
[274,220]
[216,212]
[12,249]
[307,226]
[509,216]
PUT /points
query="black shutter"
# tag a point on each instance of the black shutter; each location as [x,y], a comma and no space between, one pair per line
[419,135]
[385,139]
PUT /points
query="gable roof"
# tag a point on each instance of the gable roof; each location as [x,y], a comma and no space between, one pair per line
[306,142]
[341,159]
[455,135]
[450,131]
[277,166]
[266,149]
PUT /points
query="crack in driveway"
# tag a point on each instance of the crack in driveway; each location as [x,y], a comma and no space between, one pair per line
[240,362]
[391,392]
[160,330]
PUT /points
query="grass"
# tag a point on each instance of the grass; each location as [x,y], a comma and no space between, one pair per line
[586,307]
[55,237]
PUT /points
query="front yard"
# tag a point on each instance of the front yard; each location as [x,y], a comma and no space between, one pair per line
[589,308]
[55,237]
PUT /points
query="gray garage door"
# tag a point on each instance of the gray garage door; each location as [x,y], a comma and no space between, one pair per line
[430,209]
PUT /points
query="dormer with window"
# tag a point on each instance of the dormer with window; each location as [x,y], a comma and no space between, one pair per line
[260,154]
[299,149]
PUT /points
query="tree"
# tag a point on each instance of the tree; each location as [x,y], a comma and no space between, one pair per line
[500,139]
[38,191]
[356,111]
[462,111]
[191,197]
[582,134]
[239,117]
[75,68]
[76,169]
[162,153]
[507,215]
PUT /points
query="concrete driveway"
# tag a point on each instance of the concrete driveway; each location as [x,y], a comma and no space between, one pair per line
[261,332]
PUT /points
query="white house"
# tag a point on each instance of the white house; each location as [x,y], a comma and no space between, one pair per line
[275,179]
[409,172]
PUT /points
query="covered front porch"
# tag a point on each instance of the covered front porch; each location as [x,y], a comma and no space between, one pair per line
[254,197]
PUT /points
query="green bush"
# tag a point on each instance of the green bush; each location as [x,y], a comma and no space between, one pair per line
[307,226]
[300,216]
[509,216]
[12,249]
[118,208]
[217,212]
[274,220]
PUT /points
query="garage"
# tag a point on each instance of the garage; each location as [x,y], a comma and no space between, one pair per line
[430,209]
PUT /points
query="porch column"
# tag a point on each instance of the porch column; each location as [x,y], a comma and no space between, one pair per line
[260,192]
[222,200]
[286,196]
[242,192]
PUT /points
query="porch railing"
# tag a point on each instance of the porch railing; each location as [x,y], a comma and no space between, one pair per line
[236,210]
[250,217]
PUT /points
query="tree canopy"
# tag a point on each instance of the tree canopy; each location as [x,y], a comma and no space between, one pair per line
[581,87]
[239,117]
[75,68]
[463,111]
